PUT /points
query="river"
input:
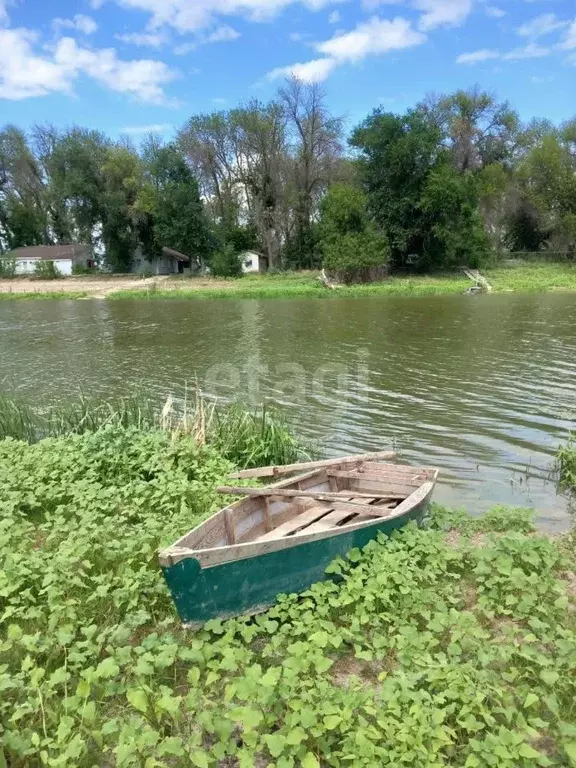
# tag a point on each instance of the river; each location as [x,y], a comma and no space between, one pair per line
[482,386]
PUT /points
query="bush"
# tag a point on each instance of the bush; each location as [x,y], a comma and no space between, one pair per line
[356,257]
[46,270]
[80,269]
[226,263]
[7,267]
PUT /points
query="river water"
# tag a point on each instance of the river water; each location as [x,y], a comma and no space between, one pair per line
[482,386]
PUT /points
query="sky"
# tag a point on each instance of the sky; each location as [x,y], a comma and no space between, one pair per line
[135,66]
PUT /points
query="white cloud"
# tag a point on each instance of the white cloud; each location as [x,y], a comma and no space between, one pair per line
[442,13]
[484,54]
[372,37]
[542,25]
[334,17]
[530,51]
[80,23]
[25,74]
[143,130]
[310,72]
[538,80]
[375,36]
[144,39]
[193,15]
[221,34]
[218,100]
[3,11]
[22,73]
[569,41]
[494,12]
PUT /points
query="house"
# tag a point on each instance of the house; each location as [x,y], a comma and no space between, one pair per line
[252,261]
[170,262]
[64,257]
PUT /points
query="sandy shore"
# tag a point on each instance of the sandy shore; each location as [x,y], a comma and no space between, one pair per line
[90,286]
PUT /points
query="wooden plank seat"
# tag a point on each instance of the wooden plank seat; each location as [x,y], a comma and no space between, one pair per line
[326,515]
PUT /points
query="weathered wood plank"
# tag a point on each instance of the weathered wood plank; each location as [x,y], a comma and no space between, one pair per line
[301,521]
[272,471]
[288,493]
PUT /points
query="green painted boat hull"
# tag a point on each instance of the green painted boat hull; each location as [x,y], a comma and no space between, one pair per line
[250,585]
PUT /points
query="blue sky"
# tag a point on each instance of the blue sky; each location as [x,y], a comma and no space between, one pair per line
[133,65]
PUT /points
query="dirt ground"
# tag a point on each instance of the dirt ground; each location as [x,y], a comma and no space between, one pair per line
[91,286]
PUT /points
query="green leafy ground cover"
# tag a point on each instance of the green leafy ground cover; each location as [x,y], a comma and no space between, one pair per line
[451,646]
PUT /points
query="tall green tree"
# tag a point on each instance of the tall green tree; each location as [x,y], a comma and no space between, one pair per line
[174,203]
[396,156]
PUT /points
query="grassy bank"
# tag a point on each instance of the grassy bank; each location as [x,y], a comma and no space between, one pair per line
[521,279]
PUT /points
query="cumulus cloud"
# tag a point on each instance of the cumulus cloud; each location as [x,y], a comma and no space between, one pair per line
[144,39]
[475,57]
[542,25]
[310,72]
[25,73]
[334,17]
[442,13]
[569,41]
[193,15]
[221,34]
[530,51]
[372,37]
[3,11]
[79,23]
[376,36]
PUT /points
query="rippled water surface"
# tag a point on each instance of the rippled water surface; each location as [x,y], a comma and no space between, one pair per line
[483,387]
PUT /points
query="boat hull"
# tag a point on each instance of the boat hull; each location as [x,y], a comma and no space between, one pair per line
[250,584]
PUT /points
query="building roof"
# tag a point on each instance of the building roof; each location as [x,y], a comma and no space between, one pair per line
[176,255]
[51,252]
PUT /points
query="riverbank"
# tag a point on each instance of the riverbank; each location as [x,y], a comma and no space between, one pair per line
[452,645]
[527,278]
[463,651]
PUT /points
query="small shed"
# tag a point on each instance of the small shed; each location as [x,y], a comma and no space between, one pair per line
[170,262]
[65,257]
[252,261]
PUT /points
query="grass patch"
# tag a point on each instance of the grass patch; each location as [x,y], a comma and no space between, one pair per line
[566,461]
[29,295]
[523,279]
[246,437]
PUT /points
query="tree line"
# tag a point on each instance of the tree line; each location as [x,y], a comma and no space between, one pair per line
[457,179]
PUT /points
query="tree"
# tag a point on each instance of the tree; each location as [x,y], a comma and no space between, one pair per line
[352,248]
[455,235]
[226,262]
[397,154]
[477,129]
[316,138]
[123,176]
[172,199]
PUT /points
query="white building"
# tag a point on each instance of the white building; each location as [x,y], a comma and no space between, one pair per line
[64,257]
[252,261]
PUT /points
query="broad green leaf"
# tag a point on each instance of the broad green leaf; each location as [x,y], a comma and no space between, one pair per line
[275,743]
[137,697]
[530,699]
[525,750]
[310,761]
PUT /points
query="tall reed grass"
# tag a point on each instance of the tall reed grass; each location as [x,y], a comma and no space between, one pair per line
[247,437]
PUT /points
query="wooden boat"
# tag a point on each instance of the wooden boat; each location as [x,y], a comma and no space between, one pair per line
[281,538]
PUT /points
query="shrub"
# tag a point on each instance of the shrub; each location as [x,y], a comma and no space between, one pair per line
[7,267]
[46,270]
[226,263]
[356,257]
[80,269]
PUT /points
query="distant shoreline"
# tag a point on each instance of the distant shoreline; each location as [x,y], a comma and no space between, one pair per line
[525,278]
